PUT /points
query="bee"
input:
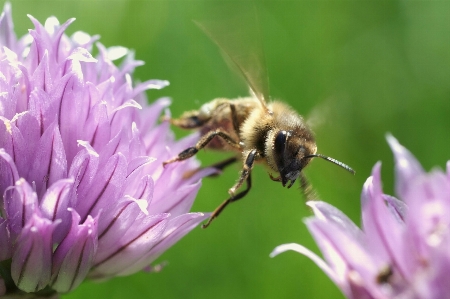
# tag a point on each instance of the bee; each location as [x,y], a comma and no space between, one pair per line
[254,129]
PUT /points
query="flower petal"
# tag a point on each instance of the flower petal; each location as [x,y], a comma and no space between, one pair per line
[119,221]
[54,205]
[68,97]
[21,204]
[176,228]
[73,257]
[397,207]
[151,116]
[81,54]
[7,36]
[9,171]
[12,140]
[108,183]
[29,130]
[406,166]
[84,167]
[131,246]
[150,84]
[175,201]
[383,231]
[42,77]
[312,256]
[97,130]
[32,258]
[141,189]
[49,164]
[328,213]
[345,255]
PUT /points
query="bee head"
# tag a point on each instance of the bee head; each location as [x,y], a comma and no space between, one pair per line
[289,152]
[292,152]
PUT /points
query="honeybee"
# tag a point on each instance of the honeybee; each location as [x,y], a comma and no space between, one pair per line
[255,129]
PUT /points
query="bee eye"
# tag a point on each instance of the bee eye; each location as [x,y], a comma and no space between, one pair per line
[280,142]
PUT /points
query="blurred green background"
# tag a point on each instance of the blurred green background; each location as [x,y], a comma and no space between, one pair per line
[364,68]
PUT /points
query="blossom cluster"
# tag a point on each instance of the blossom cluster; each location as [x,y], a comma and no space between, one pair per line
[84,193]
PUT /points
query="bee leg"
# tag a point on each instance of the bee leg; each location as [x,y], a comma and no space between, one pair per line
[246,169]
[219,166]
[275,179]
[220,208]
[245,175]
[189,152]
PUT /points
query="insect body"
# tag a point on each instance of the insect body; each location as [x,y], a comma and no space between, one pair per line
[270,133]
[273,134]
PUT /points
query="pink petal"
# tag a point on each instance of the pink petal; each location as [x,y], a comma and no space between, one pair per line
[406,166]
[31,261]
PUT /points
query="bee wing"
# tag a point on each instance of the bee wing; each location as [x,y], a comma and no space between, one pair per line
[239,38]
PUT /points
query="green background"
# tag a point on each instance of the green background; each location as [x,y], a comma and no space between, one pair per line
[365,68]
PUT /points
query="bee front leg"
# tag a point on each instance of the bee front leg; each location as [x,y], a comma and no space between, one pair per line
[191,151]
[246,169]
[245,175]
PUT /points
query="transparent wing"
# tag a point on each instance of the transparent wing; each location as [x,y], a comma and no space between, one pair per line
[237,33]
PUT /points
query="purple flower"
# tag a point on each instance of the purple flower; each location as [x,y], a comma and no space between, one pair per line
[84,193]
[403,250]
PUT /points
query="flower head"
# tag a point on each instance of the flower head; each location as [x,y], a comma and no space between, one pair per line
[403,250]
[83,189]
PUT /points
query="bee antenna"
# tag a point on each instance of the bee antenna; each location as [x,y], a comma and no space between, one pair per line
[339,163]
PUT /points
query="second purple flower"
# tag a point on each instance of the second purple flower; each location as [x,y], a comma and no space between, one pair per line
[403,250]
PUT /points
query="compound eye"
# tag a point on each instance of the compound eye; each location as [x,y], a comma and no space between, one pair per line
[280,142]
